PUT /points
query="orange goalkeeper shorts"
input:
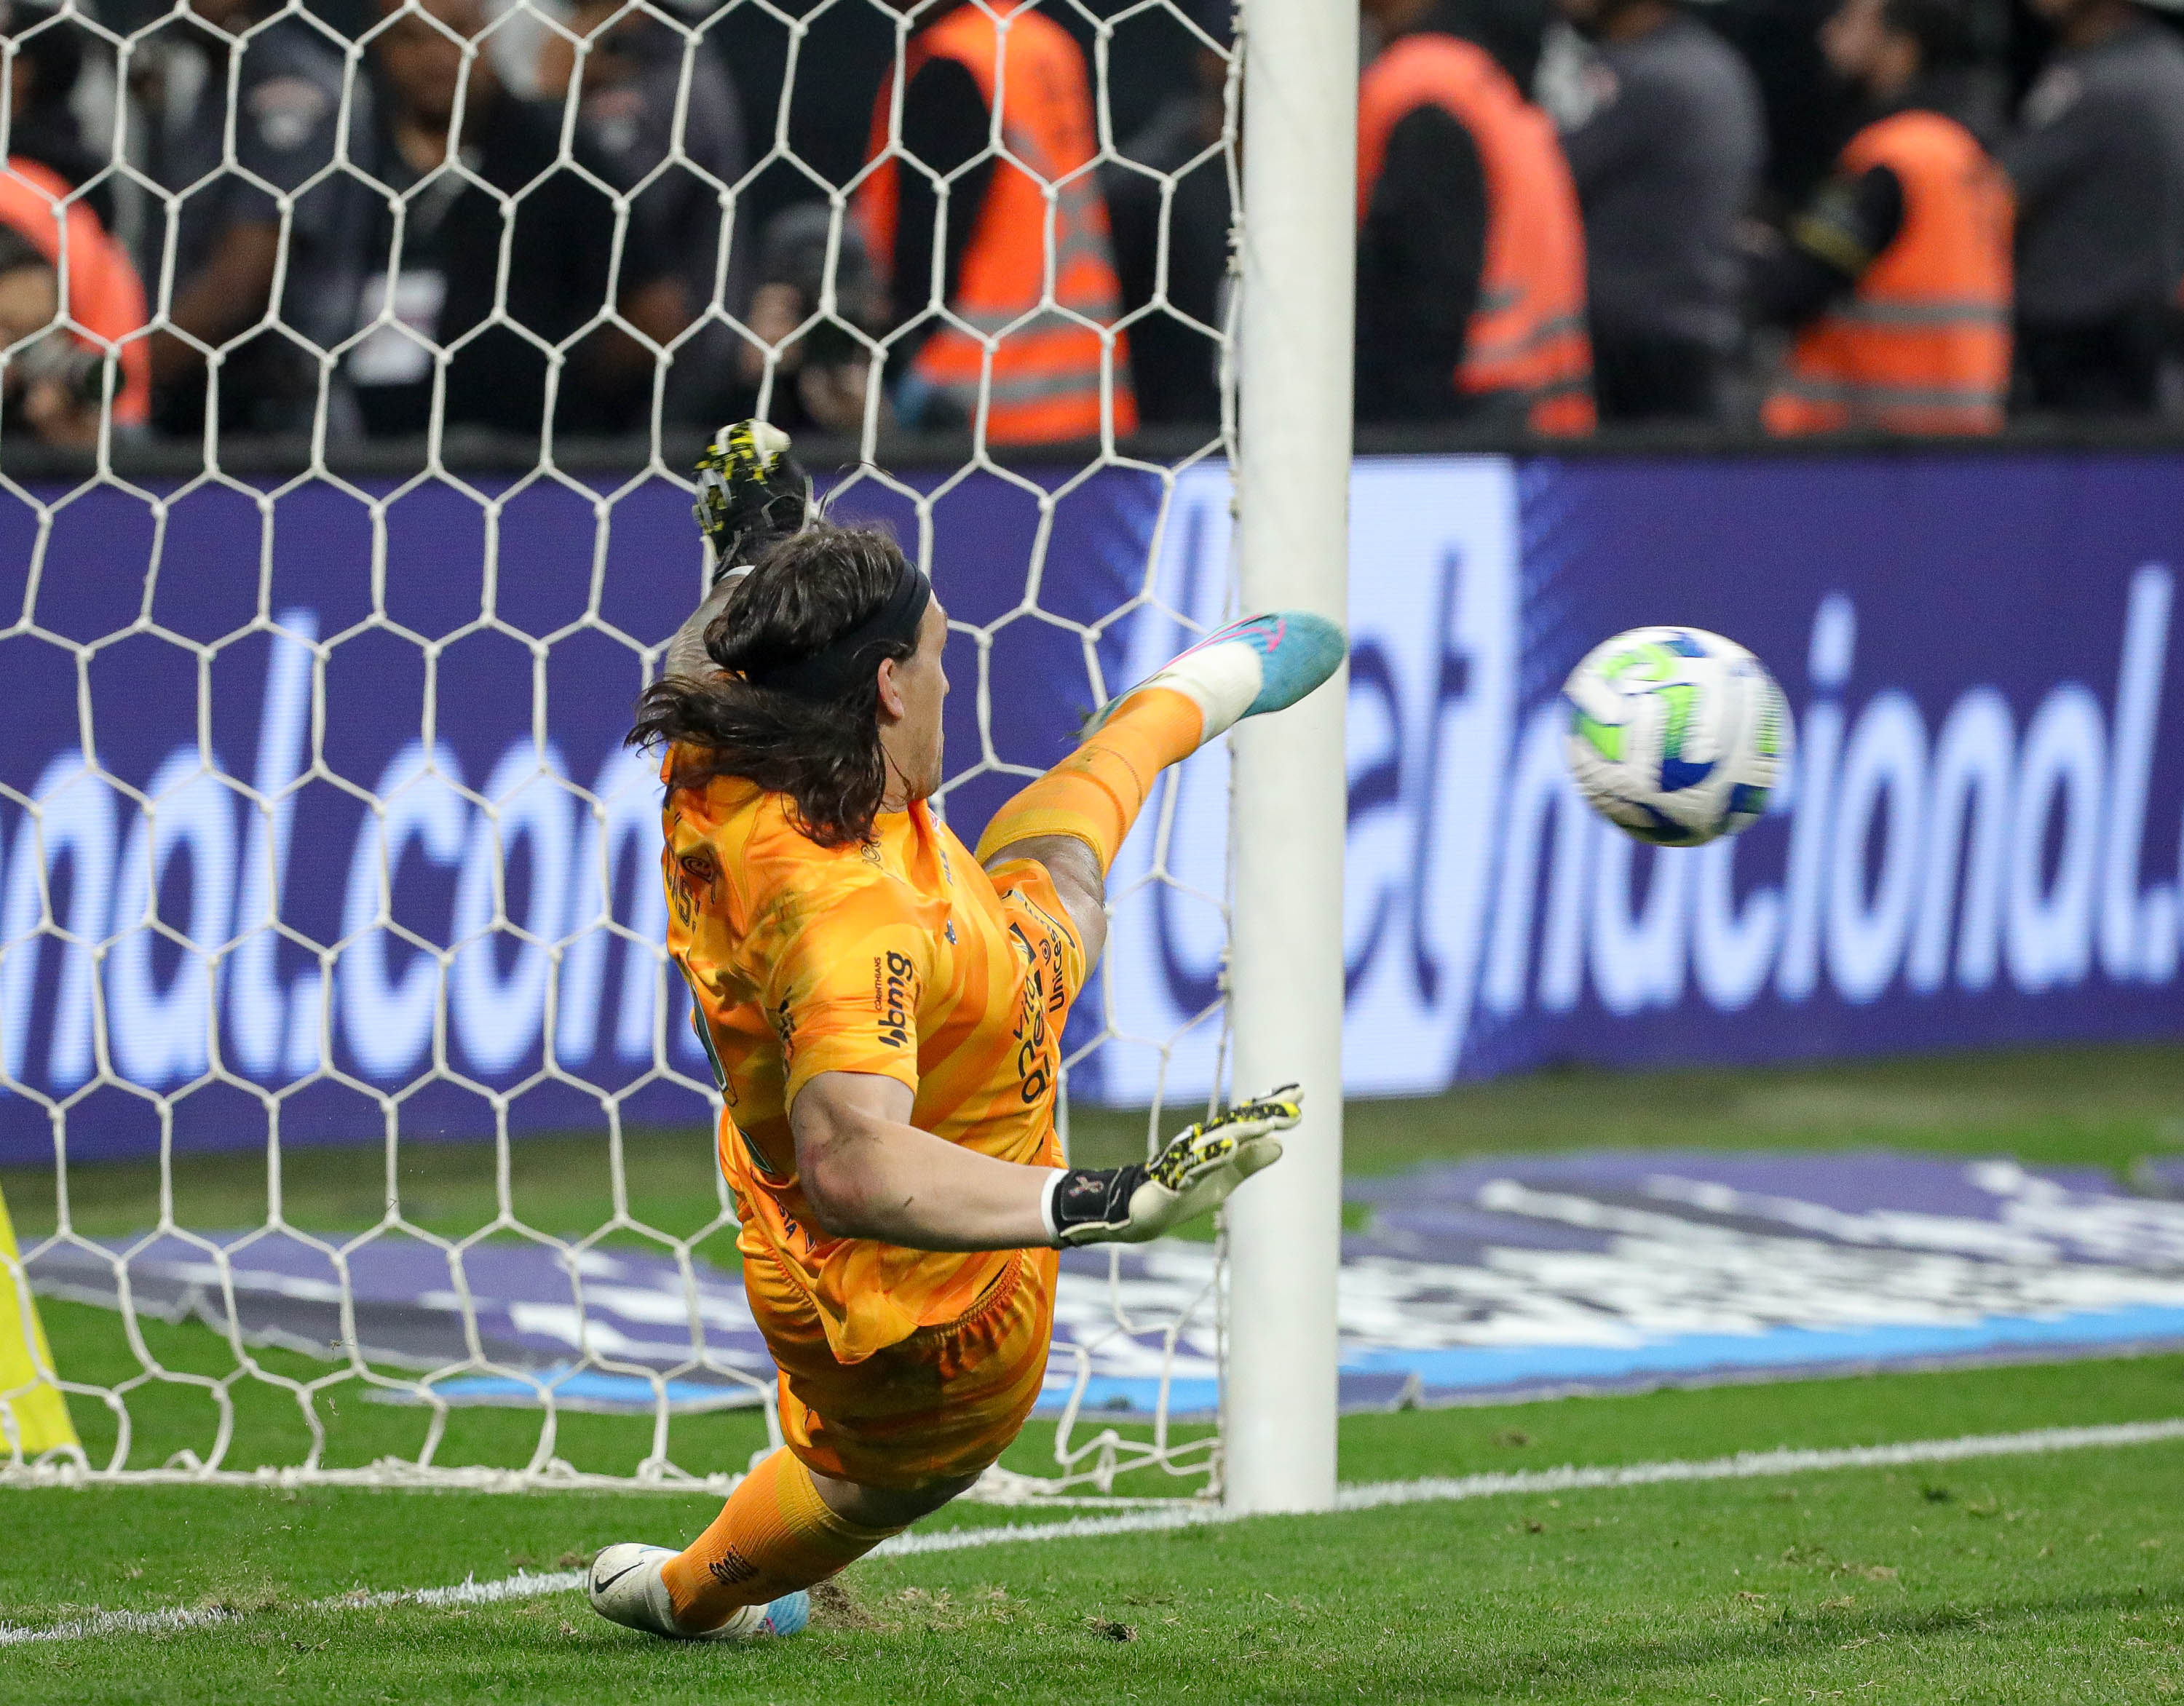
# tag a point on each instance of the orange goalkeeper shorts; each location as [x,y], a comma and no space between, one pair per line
[943,1403]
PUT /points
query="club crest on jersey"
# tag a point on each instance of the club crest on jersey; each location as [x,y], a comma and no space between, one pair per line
[690,881]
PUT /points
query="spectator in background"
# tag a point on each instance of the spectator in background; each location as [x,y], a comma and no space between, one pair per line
[88,281]
[2099,171]
[49,384]
[822,373]
[41,81]
[227,223]
[434,276]
[1898,271]
[1471,250]
[1666,163]
[633,81]
[1049,371]
[1802,101]
[1174,171]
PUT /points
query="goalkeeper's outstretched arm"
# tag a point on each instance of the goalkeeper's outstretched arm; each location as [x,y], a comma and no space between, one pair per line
[751,493]
[686,651]
[868,1173]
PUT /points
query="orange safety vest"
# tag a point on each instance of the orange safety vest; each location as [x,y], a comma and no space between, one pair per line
[1527,335]
[101,296]
[1039,284]
[1922,344]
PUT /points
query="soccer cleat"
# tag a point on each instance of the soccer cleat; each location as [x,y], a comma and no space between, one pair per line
[625,1587]
[751,492]
[1262,664]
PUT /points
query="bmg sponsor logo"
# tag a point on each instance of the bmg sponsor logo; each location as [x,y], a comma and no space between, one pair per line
[895,996]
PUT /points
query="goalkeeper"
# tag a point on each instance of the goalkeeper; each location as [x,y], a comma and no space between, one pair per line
[884,1013]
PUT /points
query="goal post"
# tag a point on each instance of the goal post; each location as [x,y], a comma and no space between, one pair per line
[1288,810]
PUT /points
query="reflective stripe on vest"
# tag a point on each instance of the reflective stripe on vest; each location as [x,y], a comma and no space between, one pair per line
[1026,344]
[1922,343]
[1527,337]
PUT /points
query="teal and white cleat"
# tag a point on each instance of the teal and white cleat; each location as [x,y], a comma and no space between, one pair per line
[1264,663]
[626,1589]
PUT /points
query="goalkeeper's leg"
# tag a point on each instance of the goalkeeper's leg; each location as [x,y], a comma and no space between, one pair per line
[871,1447]
[784,1529]
[1074,819]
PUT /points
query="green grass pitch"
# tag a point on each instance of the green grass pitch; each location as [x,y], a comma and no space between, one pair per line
[2051,1578]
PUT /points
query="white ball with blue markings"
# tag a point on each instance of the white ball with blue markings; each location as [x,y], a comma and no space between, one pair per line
[1676,735]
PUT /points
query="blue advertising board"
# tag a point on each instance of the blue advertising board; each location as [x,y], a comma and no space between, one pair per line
[314,812]
[1979,841]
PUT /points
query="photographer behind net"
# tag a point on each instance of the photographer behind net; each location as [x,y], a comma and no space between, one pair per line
[822,375]
[49,383]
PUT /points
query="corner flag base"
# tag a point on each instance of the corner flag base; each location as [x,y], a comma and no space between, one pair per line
[34,1416]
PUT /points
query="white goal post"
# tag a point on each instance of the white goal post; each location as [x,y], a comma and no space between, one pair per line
[210,849]
[1290,818]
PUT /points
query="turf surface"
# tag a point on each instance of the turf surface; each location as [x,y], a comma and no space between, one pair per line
[2034,1580]
[2028,1578]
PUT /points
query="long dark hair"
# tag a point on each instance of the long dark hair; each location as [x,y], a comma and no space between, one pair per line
[805,592]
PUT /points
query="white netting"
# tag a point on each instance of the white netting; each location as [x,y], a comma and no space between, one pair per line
[313,830]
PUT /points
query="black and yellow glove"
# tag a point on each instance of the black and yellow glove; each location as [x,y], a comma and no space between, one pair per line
[1196,1171]
[751,492]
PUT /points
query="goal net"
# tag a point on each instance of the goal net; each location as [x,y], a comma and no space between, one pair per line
[352,1124]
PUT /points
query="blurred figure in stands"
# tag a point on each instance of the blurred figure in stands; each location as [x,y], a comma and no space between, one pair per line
[633,80]
[1666,162]
[1177,367]
[1047,369]
[2099,171]
[226,222]
[822,373]
[42,124]
[50,384]
[1897,272]
[1471,249]
[62,265]
[436,277]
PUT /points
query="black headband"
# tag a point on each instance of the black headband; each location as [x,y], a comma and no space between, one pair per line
[841,665]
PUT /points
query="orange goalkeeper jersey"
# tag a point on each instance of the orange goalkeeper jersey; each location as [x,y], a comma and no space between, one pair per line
[900,957]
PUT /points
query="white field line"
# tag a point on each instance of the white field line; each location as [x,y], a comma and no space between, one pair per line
[1370,1495]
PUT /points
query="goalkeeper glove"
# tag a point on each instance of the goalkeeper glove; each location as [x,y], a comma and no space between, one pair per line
[1194,1172]
[751,492]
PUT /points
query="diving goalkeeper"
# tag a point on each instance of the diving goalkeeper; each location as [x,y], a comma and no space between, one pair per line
[884,1014]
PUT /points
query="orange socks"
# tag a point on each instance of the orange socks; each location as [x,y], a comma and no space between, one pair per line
[1095,794]
[774,1535]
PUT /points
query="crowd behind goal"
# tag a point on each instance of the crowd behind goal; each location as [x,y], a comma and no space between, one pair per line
[367,219]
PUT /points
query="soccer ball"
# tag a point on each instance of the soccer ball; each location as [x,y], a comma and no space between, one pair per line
[1675,735]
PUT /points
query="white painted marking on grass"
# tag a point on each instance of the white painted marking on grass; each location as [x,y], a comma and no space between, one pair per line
[523,1585]
[1178,1515]
[1371,1496]
[118,1623]
[1750,1463]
